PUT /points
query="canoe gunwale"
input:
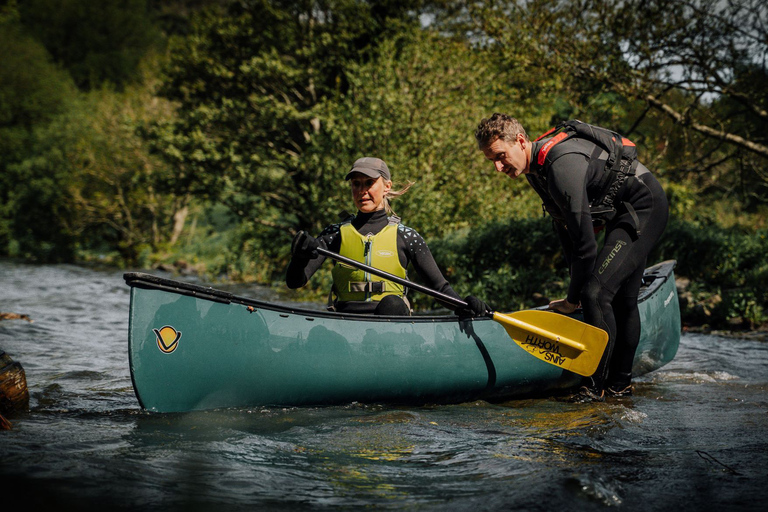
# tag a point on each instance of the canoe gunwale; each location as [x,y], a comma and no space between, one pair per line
[151,282]
[655,276]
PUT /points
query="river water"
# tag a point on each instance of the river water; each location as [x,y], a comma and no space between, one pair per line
[694,436]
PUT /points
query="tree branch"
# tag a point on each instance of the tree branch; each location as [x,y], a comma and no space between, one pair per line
[760,149]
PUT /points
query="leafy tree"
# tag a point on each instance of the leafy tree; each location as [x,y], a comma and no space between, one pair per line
[252,86]
[114,180]
[33,92]
[699,63]
[96,42]
[416,104]
[88,182]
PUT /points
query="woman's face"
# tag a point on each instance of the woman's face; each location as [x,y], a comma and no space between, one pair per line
[368,193]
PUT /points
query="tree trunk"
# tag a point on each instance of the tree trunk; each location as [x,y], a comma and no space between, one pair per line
[178,223]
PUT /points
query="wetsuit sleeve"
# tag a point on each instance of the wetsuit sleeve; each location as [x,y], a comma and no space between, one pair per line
[418,254]
[300,269]
[565,242]
[568,188]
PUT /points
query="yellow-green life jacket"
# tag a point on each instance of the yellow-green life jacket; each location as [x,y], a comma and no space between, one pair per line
[378,251]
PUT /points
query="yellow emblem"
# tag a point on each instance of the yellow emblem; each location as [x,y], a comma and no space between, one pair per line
[167,339]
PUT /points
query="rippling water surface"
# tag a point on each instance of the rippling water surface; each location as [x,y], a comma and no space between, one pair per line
[694,436]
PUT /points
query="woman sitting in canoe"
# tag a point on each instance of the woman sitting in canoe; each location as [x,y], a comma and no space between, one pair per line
[373,236]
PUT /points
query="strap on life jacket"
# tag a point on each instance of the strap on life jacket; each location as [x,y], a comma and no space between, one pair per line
[615,145]
[619,169]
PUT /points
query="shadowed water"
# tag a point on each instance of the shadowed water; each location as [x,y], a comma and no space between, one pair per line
[694,436]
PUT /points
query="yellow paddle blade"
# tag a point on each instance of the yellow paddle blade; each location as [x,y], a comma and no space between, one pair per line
[556,339]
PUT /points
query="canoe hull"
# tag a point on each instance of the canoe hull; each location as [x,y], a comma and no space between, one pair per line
[194,348]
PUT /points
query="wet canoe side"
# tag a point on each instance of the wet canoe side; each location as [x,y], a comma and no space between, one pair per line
[195,348]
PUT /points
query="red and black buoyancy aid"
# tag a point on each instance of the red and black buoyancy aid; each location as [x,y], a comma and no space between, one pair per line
[619,170]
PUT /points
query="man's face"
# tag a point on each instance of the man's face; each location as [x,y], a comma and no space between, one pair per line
[509,157]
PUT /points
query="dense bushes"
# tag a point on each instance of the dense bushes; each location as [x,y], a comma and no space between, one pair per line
[727,269]
[511,264]
[723,274]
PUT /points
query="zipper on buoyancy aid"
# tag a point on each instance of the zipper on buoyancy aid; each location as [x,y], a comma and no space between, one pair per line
[367,256]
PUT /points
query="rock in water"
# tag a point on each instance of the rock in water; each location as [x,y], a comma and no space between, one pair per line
[14,395]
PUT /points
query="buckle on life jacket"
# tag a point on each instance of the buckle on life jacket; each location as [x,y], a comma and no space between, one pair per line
[602,214]
[368,286]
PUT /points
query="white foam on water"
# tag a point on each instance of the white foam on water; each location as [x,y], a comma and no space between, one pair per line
[695,377]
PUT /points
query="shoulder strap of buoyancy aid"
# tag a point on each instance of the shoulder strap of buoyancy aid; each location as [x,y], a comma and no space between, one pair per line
[615,145]
[620,166]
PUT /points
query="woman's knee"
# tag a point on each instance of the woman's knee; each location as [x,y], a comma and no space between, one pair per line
[392,305]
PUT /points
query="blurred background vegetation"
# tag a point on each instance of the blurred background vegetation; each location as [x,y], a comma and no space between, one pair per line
[200,135]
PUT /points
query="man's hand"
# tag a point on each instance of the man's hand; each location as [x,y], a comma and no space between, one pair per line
[563,306]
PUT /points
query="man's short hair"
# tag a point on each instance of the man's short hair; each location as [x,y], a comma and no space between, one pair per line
[498,126]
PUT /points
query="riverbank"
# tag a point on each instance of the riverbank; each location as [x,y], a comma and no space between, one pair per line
[760,334]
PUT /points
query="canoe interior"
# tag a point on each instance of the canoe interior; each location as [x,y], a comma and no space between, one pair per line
[195,348]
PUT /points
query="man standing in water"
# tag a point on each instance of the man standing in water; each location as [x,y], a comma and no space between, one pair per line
[589,182]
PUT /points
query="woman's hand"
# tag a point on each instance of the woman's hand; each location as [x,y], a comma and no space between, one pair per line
[304,246]
[563,306]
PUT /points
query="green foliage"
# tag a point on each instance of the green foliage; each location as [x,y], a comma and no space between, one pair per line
[726,258]
[731,264]
[415,104]
[251,85]
[88,182]
[264,105]
[97,42]
[33,92]
[511,264]
[41,214]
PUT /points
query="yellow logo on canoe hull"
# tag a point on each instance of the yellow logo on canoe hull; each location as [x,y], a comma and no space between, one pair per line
[167,339]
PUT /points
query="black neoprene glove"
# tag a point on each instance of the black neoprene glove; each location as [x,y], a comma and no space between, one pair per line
[304,246]
[475,307]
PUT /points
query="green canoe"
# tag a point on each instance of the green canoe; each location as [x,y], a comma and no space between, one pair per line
[197,348]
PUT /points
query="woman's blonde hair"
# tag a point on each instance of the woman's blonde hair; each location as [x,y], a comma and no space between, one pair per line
[395,193]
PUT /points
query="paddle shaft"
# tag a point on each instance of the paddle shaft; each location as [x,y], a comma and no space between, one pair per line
[386,275]
[586,336]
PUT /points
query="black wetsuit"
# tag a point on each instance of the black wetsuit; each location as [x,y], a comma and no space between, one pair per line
[606,281]
[411,248]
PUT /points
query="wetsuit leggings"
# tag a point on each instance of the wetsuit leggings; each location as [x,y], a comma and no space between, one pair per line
[391,305]
[609,299]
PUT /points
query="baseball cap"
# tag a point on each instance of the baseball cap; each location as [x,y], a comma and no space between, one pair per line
[371,167]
